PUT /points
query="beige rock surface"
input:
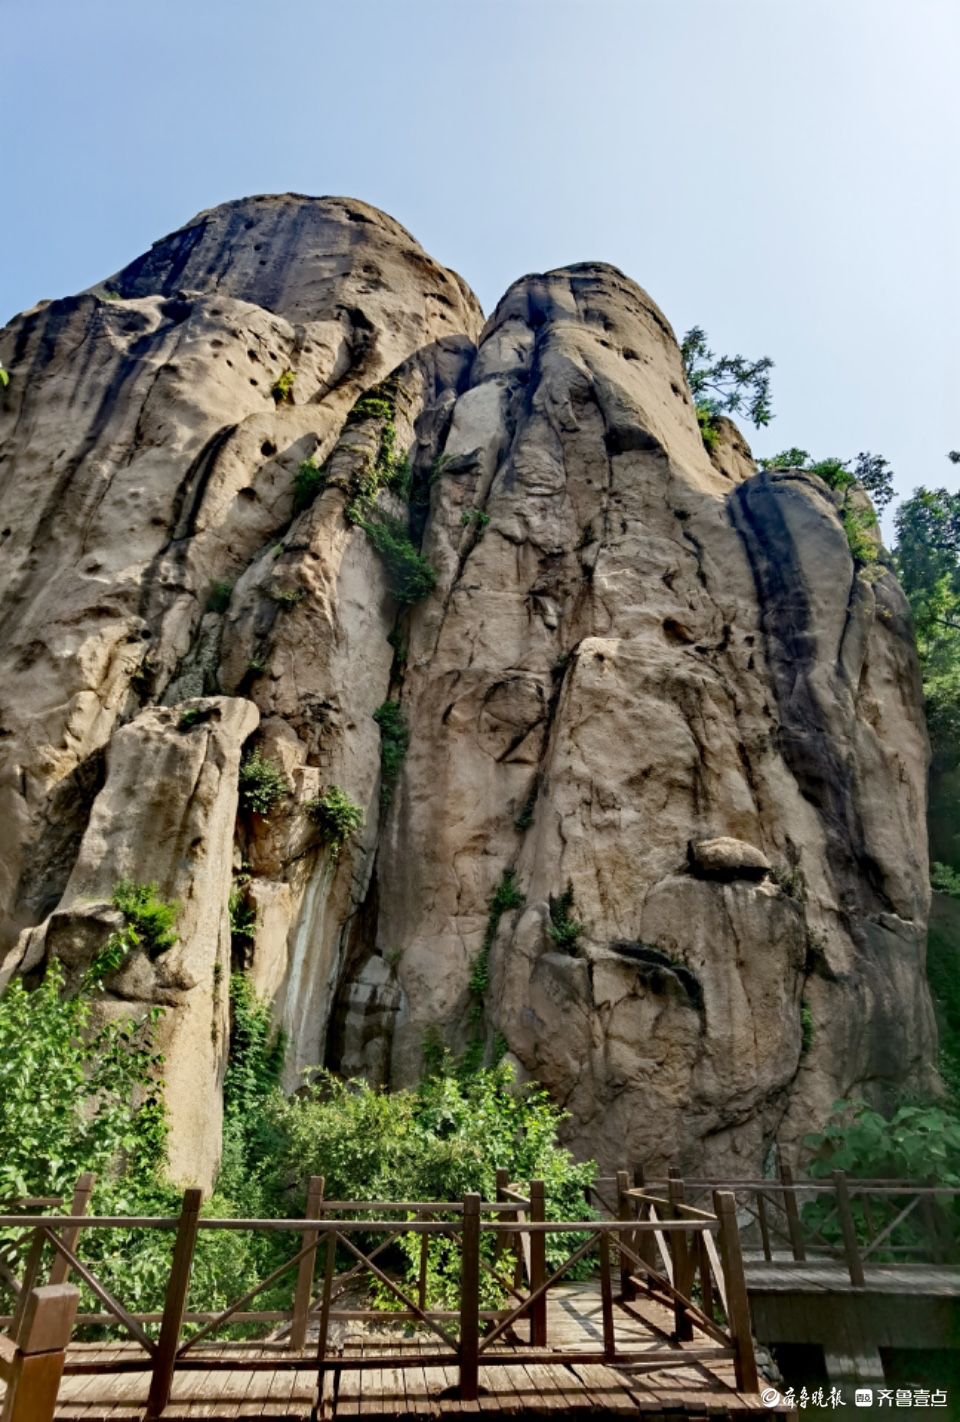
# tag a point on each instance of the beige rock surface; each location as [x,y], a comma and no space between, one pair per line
[647,676]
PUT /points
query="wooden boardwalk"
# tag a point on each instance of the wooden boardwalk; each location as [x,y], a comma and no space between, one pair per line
[551,1387]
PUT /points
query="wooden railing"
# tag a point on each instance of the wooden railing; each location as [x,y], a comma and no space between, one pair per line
[659,1246]
[856,1221]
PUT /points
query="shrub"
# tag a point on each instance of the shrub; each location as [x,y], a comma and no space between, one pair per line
[706,419]
[262,783]
[67,1091]
[478,518]
[806,1027]
[504,898]
[563,928]
[394,740]
[918,1143]
[218,599]
[309,480]
[409,573]
[434,1143]
[791,879]
[282,387]
[336,816]
[150,920]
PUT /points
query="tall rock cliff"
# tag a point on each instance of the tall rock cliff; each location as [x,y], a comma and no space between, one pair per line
[651,698]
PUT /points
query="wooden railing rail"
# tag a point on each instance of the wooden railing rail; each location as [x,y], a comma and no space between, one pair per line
[659,1245]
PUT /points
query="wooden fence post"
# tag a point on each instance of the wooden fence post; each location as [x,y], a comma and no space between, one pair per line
[625,1212]
[682,1270]
[738,1305]
[792,1213]
[174,1305]
[35,1366]
[60,1269]
[470,1300]
[538,1264]
[31,1272]
[304,1289]
[606,1300]
[851,1247]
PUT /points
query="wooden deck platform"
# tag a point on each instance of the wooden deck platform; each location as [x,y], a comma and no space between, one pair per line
[831,1276]
[551,1387]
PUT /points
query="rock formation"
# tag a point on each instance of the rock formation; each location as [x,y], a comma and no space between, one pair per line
[651,696]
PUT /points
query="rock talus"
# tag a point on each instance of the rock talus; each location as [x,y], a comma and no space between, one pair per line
[650,691]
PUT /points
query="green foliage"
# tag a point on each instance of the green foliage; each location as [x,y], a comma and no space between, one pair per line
[67,1090]
[504,899]
[943,973]
[149,919]
[563,928]
[706,419]
[286,597]
[918,1143]
[726,385]
[282,387]
[434,1143]
[792,880]
[262,783]
[243,916]
[192,716]
[309,480]
[806,1028]
[410,574]
[944,880]
[927,556]
[218,599]
[336,816]
[869,472]
[394,740]
[478,518]
[525,818]
[4,376]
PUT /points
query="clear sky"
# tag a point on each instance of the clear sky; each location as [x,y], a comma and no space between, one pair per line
[781,172]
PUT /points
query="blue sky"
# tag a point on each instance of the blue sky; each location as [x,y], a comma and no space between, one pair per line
[781,172]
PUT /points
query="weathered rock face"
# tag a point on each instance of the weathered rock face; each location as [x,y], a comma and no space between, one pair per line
[650,687]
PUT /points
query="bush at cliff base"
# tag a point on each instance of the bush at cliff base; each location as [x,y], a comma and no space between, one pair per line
[72,1101]
[919,1143]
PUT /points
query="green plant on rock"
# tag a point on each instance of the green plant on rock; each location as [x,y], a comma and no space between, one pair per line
[478,518]
[262,783]
[806,1027]
[4,376]
[286,597]
[218,598]
[150,920]
[504,899]
[309,480]
[394,740]
[707,421]
[409,573]
[563,928]
[791,879]
[282,387]
[336,816]
[243,914]
[870,473]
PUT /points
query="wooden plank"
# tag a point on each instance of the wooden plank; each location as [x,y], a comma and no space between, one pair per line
[606,1390]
